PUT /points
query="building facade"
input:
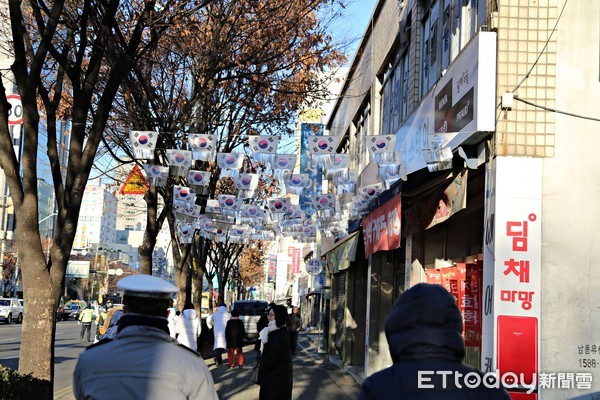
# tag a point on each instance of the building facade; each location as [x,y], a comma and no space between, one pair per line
[97,218]
[493,108]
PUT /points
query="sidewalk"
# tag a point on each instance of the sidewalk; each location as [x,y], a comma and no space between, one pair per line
[315,378]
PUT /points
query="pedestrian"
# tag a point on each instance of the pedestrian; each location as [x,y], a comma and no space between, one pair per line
[143,361]
[113,324]
[100,321]
[424,333]
[187,328]
[172,317]
[261,324]
[275,375]
[85,319]
[294,328]
[234,334]
[218,321]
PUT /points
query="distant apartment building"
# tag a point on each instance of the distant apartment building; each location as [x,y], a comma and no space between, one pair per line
[97,218]
[46,208]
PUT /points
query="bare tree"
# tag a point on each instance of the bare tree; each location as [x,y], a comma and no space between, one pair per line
[235,69]
[69,59]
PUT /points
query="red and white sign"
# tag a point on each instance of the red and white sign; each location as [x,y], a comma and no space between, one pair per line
[381,228]
[15,114]
[515,233]
[464,282]
[295,259]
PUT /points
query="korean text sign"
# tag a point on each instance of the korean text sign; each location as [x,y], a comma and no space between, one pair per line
[381,228]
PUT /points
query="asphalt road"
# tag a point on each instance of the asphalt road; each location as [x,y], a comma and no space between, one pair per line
[66,349]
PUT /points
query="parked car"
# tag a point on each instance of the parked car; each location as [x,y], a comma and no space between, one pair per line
[11,310]
[250,312]
[63,311]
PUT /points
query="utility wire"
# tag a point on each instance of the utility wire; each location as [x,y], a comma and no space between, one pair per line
[543,49]
[555,110]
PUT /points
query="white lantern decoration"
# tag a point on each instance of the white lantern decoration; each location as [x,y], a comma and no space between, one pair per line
[203,146]
[180,161]
[143,144]
[230,164]
[156,175]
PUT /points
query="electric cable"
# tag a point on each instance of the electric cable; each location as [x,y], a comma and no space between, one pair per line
[555,110]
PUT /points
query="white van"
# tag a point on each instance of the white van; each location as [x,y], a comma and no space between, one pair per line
[11,310]
[250,312]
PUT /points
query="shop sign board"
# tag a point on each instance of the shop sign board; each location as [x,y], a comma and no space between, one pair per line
[381,227]
[517,231]
[295,260]
[309,166]
[463,281]
[340,257]
[459,106]
[78,269]
[314,266]
[272,267]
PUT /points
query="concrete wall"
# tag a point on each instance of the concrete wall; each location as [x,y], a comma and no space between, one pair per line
[571,194]
[526,45]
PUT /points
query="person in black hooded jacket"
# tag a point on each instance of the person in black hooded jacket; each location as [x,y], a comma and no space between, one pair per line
[424,332]
[275,375]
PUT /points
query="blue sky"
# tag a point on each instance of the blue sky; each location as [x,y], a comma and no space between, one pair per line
[353,22]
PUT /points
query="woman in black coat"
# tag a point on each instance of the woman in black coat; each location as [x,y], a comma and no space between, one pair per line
[276,375]
[234,334]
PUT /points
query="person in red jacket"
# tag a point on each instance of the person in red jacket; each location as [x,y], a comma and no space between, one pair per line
[234,334]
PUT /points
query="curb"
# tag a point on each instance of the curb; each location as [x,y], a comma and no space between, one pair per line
[64,394]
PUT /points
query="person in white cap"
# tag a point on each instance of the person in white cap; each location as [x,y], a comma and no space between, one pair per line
[143,361]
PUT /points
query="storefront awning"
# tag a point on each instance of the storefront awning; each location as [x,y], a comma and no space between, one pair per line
[344,252]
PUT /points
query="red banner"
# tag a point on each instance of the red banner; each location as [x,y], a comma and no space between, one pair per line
[296,261]
[272,267]
[464,281]
[381,228]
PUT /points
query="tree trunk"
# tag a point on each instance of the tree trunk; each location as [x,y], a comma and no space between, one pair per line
[42,295]
[211,290]
[152,227]
[197,284]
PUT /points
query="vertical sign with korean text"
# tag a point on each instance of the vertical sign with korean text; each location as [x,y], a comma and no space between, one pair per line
[464,282]
[296,260]
[309,166]
[272,267]
[517,264]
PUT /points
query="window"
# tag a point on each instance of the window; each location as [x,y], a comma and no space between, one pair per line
[395,95]
[362,129]
[404,104]
[430,49]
